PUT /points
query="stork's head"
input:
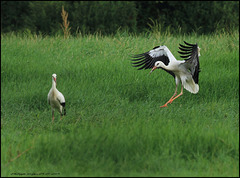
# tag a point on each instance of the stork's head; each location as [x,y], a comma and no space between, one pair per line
[54,77]
[156,66]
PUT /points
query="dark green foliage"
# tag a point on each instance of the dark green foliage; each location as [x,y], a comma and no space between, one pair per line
[14,15]
[46,16]
[102,16]
[108,17]
[34,16]
[191,16]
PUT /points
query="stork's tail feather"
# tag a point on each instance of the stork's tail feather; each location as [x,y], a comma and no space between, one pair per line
[192,88]
[64,112]
[190,85]
[64,109]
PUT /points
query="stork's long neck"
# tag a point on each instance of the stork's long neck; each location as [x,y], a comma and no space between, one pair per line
[173,62]
[167,59]
[54,85]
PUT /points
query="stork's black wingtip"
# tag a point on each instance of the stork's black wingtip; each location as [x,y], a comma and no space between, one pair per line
[188,43]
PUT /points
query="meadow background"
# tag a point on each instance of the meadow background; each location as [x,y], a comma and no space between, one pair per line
[114,126]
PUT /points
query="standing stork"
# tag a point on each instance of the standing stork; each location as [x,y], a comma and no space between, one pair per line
[56,99]
[185,72]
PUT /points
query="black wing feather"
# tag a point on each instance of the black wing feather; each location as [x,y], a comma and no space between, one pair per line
[189,44]
[185,47]
[180,52]
[146,61]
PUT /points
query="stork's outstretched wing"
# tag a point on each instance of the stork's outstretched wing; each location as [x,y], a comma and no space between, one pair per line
[147,60]
[190,53]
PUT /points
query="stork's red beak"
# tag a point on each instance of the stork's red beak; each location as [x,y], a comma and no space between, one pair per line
[54,79]
[153,69]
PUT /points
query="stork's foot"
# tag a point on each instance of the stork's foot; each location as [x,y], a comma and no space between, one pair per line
[171,100]
[165,105]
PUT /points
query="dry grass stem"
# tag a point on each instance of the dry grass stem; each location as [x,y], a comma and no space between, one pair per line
[65,25]
[19,154]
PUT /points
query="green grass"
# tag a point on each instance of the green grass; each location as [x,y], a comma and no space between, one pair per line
[114,126]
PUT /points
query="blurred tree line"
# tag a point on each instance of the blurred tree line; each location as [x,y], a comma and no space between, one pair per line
[108,17]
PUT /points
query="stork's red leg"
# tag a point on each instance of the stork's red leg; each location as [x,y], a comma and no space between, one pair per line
[177,95]
[173,98]
[165,105]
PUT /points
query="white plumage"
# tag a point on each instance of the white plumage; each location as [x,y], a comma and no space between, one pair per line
[56,98]
[185,72]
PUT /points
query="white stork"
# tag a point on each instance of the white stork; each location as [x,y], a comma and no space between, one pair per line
[185,72]
[56,98]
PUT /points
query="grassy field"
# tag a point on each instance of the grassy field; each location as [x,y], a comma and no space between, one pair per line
[114,126]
